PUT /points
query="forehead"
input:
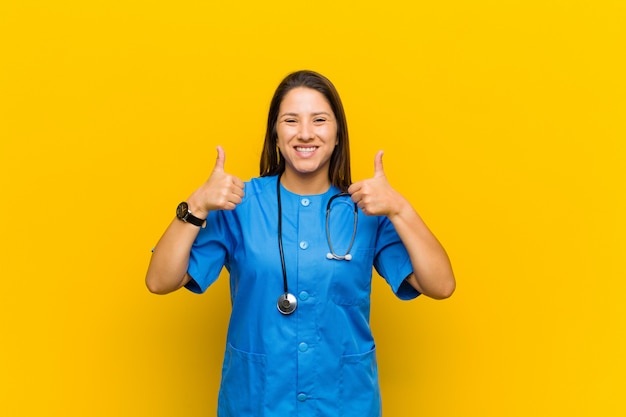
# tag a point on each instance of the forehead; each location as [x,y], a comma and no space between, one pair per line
[303,99]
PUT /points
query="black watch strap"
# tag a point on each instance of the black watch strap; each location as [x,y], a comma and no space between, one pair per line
[183,213]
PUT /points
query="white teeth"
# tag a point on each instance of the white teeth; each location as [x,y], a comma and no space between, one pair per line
[303,149]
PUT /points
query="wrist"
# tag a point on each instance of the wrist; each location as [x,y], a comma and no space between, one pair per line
[186,214]
[196,208]
[399,206]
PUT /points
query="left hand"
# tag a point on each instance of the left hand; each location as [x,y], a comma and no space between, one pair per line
[375,196]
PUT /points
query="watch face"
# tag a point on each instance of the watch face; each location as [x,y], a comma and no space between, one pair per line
[182,210]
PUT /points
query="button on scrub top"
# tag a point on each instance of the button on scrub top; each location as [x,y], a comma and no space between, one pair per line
[320,360]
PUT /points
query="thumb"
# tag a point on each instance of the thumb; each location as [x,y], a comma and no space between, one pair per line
[221,158]
[378,165]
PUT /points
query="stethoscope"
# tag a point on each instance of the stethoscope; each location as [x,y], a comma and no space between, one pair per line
[287,302]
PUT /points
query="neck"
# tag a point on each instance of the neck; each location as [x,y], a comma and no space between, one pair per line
[305,184]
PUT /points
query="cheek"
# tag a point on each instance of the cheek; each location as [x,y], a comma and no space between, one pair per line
[328,133]
[280,138]
[333,131]
[283,134]
[281,143]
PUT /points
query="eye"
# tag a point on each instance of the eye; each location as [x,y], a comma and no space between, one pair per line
[290,120]
[319,120]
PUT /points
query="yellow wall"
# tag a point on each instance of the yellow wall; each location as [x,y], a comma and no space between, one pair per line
[502,121]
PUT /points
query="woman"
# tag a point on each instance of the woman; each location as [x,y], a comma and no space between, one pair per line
[300,245]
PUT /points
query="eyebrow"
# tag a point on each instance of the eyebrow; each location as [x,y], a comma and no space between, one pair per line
[317,113]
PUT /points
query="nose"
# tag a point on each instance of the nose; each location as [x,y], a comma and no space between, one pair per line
[306,131]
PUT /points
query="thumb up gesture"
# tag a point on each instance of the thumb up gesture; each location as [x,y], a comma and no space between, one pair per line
[375,196]
[221,191]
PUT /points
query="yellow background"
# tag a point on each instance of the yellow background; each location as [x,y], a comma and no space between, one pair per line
[502,121]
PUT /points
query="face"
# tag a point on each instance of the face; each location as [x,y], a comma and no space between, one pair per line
[307,133]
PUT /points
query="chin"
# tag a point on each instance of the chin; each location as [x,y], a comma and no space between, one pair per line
[307,170]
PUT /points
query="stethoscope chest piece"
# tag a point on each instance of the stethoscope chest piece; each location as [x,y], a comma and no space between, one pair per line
[287,303]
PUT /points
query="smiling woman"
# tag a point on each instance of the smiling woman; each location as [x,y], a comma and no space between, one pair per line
[502,123]
[318,357]
[329,103]
[307,136]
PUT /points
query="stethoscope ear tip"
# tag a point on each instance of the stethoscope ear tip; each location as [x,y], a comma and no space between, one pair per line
[346,257]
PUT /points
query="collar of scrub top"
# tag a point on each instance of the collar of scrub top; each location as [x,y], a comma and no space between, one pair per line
[287,302]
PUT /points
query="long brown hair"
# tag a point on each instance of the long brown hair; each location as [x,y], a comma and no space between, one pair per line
[272,162]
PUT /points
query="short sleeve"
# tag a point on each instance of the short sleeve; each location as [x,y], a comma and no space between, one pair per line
[392,261]
[209,253]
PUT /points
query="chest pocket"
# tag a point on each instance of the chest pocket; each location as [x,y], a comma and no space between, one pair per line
[352,280]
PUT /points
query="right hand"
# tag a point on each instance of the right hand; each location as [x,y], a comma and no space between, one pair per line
[221,191]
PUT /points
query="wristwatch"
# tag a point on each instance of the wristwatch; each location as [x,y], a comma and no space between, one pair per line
[183,213]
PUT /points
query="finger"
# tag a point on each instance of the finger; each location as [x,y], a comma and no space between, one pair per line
[221,159]
[235,199]
[378,164]
[238,190]
[238,183]
[356,196]
[354,188]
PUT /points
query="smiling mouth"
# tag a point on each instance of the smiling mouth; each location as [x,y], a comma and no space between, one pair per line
[305,149]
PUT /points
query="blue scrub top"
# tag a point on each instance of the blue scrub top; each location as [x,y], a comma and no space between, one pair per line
[320,360]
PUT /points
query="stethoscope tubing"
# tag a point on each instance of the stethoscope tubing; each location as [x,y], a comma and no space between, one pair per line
[280,237]
[332,254]
[287,302]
